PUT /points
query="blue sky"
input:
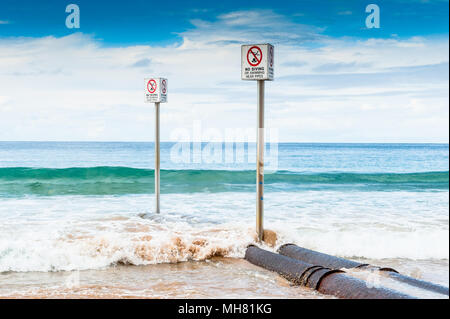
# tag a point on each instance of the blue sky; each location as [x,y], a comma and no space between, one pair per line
[336,80]
[118,23]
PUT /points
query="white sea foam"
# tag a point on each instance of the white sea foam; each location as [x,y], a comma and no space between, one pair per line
[78,232]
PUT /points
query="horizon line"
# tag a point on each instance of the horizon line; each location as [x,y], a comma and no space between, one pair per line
[285,142]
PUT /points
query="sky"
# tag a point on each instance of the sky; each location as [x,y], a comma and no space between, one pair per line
[335,79]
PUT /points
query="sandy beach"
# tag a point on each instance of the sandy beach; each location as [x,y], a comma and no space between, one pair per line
[215,278]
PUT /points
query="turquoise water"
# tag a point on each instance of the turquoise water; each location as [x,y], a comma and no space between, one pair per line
[28,168]
[68,206]
[299,157]
[125,180]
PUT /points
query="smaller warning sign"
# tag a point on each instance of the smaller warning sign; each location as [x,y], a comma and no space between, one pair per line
[151,86]
[257,62]
[155,90]
[163,86]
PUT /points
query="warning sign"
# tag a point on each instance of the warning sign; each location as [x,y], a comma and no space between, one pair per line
[254,56]
[155,90]
[271,56]
[257,62]
[163,86]
[151,86]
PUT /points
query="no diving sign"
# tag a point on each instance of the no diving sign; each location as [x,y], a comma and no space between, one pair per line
[254,55]
[151,86]
[257,62]
[155,90]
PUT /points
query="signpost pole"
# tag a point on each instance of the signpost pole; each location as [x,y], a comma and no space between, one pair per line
[260,163]
[157,156]
[257,65]
[156,92]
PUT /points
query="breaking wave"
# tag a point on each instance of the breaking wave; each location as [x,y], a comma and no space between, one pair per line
[106,180]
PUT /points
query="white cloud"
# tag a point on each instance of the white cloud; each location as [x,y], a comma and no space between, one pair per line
[251,26]
[337,90]
[4,22]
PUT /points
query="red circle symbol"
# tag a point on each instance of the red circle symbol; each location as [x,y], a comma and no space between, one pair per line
[163,86]
[254,56]
[151,86]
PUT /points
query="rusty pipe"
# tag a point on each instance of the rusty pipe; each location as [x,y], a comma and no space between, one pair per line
[325,280]
[314,257]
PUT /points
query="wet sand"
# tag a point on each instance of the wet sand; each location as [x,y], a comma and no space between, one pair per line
[217,278]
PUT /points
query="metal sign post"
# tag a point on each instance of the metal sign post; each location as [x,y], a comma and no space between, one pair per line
[260,163]
[156,92]
[257,64]
[157,156]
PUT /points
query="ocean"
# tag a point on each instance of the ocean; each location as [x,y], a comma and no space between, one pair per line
[76,218]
